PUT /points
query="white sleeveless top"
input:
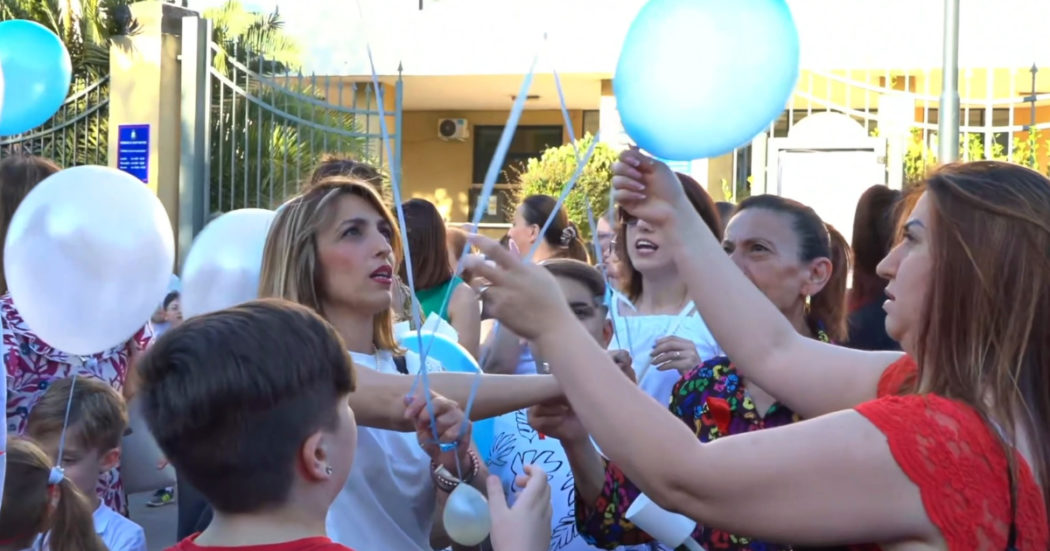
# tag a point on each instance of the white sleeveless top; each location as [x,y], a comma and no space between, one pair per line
[638,335]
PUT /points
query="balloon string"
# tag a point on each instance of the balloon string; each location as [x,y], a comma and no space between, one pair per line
[565,115]
[580,165]
[483,198]
[395,186]
[65,424]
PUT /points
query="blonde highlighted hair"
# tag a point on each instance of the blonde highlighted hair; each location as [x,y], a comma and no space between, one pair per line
[290,267]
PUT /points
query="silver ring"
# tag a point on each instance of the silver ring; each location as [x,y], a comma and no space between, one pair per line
[483,290]
[677,354]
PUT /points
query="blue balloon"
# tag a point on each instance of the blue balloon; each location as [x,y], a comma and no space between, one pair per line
[37,74]
[453,357]
[698,78]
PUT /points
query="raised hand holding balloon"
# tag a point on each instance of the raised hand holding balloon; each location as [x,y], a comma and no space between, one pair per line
[698,78]
[37,74]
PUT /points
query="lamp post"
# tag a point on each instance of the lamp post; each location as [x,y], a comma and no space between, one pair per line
[948,123]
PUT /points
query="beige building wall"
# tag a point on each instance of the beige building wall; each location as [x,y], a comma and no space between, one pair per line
[442,171]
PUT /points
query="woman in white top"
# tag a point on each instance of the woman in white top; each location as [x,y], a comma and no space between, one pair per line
[334,248]
[661,329]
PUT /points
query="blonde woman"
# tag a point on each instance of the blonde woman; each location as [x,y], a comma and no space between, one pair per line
[334,248]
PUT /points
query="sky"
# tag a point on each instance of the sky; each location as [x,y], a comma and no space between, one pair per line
[496,36]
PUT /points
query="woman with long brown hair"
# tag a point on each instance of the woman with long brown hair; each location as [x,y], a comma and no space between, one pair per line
[946,447]
[435,277]
[42,505]
[873,231]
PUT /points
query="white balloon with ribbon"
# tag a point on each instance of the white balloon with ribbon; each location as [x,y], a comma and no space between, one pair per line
[87,254]
[224,263]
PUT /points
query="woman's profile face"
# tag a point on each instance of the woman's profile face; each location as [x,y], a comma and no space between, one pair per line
[907,268]
[354,256]
[522,233]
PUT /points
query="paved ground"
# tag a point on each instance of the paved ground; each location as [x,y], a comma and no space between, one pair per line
[159,522]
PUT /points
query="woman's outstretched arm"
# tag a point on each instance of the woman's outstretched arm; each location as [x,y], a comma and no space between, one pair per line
[833,480]
[379,400]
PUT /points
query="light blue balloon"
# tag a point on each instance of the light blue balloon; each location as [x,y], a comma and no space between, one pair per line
[37,74]
[453,357]
[698,78]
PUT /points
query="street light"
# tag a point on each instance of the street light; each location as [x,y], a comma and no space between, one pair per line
[948,123]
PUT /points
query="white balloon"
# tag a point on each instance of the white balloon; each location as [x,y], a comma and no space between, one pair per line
[466,517]
[222,269]
[87,253]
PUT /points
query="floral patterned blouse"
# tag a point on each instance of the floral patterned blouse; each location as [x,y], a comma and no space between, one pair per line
[714,402]
[32,365]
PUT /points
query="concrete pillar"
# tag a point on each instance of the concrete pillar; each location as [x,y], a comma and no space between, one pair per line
[144,98]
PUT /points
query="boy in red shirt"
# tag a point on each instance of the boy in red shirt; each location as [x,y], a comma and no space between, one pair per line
[250,404]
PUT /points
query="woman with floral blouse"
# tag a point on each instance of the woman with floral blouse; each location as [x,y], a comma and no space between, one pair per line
[797,261]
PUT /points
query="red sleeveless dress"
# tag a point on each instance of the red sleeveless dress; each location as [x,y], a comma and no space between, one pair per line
[956,460]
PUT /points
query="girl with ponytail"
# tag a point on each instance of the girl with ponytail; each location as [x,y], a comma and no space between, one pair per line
[562,238]
[42,508]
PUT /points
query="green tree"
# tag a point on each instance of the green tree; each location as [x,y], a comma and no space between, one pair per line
[263,147]
[86,27]
[78,133]
[549,173]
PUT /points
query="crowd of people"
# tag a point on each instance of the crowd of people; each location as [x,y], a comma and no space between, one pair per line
[741,365]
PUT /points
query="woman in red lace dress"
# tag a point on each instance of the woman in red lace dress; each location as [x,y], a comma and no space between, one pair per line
[950,450]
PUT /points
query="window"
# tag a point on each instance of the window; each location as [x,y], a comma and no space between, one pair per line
[591,122]
[528,142]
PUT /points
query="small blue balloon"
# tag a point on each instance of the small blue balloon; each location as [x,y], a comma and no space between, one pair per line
[37,74]
[453,357]
[698,78]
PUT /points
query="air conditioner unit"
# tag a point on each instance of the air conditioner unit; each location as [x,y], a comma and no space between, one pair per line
[453,129]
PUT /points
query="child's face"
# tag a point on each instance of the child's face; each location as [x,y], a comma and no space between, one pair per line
[173,313]
[81,463]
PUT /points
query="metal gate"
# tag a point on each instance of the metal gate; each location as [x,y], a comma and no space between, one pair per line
[78,134]
[253,131]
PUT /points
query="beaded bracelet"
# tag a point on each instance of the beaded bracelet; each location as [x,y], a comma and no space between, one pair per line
[446,481]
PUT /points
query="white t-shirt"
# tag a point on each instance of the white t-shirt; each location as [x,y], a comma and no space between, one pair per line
[388,500]
[638,335]
[516,444]
[118,532]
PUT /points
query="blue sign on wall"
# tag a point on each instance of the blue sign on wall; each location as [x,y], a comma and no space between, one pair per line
[133,150]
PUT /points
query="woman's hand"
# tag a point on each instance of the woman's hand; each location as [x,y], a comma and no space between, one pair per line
[648,189]
[556,419]
[448,419]
[622,359]
[675,353]
[524,297]
[527,525]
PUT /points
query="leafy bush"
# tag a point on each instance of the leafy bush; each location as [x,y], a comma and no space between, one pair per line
[548,174]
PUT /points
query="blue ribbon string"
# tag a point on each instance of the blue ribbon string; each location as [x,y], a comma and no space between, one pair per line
[395,186]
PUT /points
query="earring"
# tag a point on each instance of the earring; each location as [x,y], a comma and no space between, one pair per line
[328,470]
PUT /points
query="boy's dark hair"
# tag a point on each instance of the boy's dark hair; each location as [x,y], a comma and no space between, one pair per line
[98,415]
[231,396]
[169,298]
[580,272]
